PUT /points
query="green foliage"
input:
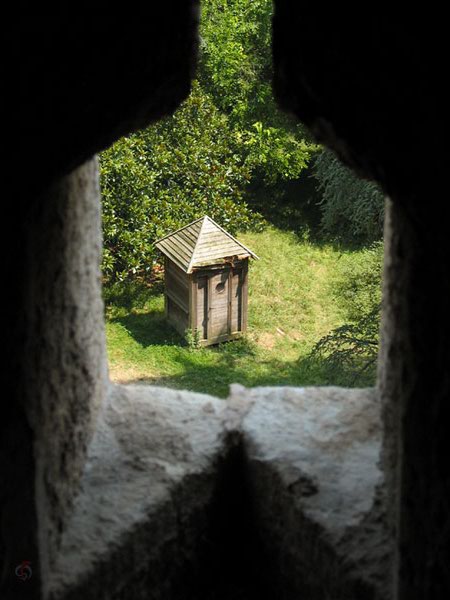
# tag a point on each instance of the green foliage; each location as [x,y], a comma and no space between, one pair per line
[359,287]
[353,347]
[290,308]
[236,70]
[192,338]
[162,178]
[352,208]
[201,160]
[235,61]
[225,140]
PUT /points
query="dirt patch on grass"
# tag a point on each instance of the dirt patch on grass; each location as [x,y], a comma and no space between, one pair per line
[266,340]
[124,374]
[296,335]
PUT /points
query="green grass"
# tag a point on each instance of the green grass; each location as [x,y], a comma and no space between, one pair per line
[293,302]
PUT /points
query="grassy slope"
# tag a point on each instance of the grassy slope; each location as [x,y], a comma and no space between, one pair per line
[291,305]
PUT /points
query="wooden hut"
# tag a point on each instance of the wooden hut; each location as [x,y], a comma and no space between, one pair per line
[206,271]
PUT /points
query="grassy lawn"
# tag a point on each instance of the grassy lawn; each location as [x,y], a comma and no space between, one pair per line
[292,303]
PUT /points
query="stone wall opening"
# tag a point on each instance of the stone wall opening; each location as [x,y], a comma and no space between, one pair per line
[139,336]
[66,453]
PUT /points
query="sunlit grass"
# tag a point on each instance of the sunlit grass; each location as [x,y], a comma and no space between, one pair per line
[292,304]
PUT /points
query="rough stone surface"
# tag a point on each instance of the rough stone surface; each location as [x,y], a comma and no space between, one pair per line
[391,360]
[63,369]
[313,456]
[309,470]
[80,79]
[329,436]
[358,83]
[416,330]
[67,367]
[151,465]
[367,85]
[91,77]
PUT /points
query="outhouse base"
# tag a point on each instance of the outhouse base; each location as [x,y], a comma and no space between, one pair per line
[221,338]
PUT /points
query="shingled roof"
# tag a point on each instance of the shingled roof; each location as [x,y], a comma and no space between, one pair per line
[202,242]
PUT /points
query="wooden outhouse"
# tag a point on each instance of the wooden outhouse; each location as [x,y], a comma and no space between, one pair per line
[206,273]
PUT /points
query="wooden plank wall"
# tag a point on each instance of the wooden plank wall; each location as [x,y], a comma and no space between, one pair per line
[177,317]
[201,290]
[244,298]
[194,301]
[220,313]
[236,300]
[177,284]
[219,305]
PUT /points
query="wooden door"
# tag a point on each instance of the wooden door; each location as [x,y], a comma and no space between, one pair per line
[202,307]
[236,300]
[219,304]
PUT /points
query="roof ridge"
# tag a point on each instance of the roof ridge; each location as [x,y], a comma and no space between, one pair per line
[196,242]
[180,229]
[205,240]
[230,236]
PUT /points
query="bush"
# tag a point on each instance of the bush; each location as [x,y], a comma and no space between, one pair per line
[199,161]
[352,208]
[160,179]
[352,348]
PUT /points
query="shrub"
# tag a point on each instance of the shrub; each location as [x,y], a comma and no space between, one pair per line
[160,179]
[352,208]
[352,348]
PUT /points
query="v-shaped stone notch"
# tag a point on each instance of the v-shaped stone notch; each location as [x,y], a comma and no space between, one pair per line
[272,493]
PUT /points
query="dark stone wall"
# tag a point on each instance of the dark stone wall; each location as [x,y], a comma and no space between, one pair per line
[372,86]
[88,77]
[65,357]
[415,384]
[368,85]
[80,79]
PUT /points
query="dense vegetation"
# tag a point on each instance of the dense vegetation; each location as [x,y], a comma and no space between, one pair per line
[166,176]
[352,208]
[201,160]
[228,152]
[290,309]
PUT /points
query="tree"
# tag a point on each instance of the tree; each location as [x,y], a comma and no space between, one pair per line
[352,208]
[226,134]
[236,70]
[164,177]
[353,347]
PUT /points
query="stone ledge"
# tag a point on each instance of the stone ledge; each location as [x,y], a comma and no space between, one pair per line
[309,472]
[312,459]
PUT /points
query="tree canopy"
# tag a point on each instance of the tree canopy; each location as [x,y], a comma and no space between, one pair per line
[227,135]
[201,159]
[352,208]
[236,70]
[160,179]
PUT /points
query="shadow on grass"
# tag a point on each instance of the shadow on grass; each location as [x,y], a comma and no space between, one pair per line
[211,370]
[289,206]
[150,329]
[215,379]
[295,206]
[129,295]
